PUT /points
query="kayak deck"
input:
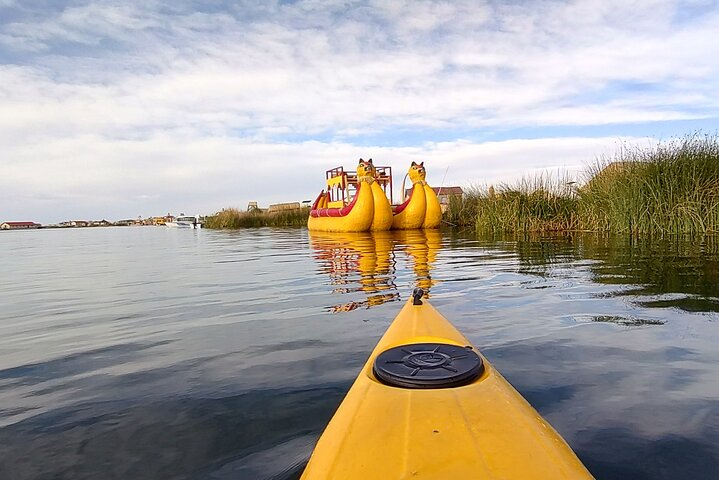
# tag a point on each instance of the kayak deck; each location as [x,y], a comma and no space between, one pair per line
[483,429]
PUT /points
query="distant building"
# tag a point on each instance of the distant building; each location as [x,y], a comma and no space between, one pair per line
[19,225]
[444,195]
[284,207]
[99,223]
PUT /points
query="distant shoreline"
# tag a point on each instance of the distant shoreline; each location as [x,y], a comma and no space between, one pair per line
[63,227]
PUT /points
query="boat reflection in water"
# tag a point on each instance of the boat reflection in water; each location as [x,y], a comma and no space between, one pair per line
[368,262]
[420,248]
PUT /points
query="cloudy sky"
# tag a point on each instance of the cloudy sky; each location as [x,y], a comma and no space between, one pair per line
[119,109]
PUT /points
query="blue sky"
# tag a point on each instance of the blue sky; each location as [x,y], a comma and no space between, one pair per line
[118,109]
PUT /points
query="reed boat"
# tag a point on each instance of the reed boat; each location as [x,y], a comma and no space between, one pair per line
[428,405]
[353,217]
[353,202]
[332,211]
[410,214]
[421,209]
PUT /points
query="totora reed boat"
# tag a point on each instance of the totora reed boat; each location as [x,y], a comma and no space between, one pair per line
[421,208]
[358,202]
[354,202]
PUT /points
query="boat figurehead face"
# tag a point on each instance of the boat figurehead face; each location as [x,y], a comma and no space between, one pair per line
[417,172]
[366,169]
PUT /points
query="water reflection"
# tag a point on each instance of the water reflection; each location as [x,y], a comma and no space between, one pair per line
[654,273]
[675,272]
[421,248]
[156,354]
[253,435]
[624,321]
[368,263]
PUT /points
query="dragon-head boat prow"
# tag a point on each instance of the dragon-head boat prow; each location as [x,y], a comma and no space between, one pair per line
[366,171]
[417,173]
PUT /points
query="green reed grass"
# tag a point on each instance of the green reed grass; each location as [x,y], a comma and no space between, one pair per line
[232,218]
[543,203]
[672,188]
[462,211]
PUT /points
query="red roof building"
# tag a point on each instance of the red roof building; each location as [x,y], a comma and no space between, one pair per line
[18,225]
[443,193]
[448,191]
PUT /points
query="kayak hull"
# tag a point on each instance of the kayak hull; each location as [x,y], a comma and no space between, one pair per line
[481,430]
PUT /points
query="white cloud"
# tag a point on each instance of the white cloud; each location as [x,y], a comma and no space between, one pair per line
[108,95]
[97,177]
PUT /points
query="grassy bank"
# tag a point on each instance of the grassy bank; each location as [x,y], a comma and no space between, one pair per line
[670,189]
[540,204]
[232,218]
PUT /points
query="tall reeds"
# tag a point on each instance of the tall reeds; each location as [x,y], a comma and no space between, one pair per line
[543,203]
[672,188]
[232,218]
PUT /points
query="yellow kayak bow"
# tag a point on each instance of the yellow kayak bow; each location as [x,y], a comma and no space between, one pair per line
[428,405]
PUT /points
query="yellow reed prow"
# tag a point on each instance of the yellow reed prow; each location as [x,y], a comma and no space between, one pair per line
[412,212]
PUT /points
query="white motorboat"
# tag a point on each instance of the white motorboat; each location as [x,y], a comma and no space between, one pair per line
[185,222]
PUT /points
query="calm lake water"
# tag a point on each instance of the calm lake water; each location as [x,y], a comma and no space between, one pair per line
[153,353]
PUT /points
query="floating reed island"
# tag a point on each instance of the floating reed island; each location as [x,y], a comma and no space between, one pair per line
[233,218]
[672,188]
[353,202]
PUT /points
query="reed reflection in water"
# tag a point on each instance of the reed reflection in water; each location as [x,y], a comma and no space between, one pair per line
[673,272]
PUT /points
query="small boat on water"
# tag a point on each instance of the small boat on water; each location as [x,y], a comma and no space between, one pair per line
[428,405]
[185,221]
